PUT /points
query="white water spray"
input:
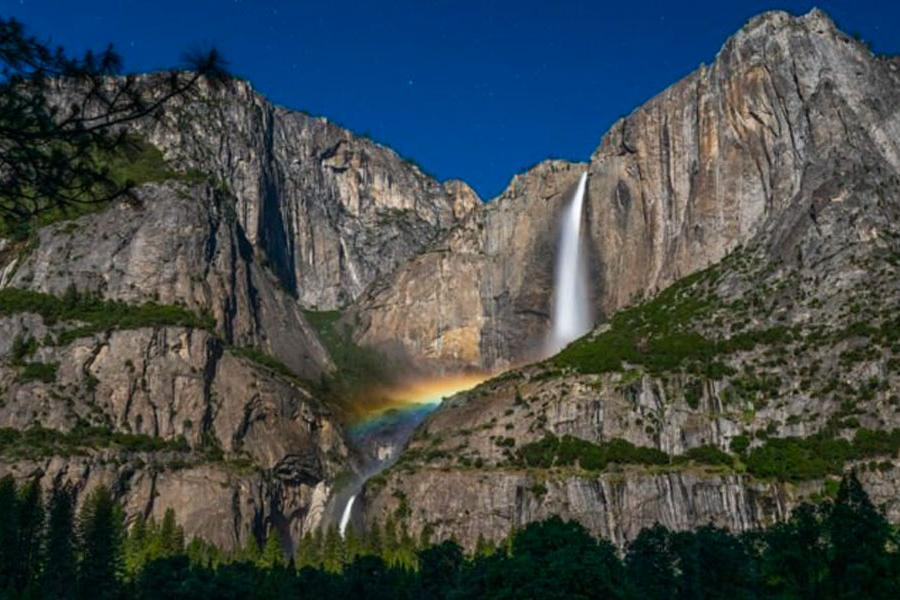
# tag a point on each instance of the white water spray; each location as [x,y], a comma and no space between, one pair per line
[345,517]
[571,305]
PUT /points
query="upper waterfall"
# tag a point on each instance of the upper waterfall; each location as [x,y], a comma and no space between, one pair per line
[571,317]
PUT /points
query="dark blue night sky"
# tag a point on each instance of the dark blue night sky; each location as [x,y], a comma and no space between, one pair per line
[471,90]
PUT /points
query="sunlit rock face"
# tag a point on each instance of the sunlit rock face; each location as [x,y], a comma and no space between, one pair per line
[724,153]
[330,211]
[481,297]
[693,173]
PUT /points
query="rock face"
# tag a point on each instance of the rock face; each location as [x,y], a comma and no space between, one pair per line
[331,211]
[255,448]
[778,165]
[694,173]
[481,298]
[179,244]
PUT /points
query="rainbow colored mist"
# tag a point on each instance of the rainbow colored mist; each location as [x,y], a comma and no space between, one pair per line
[412,401]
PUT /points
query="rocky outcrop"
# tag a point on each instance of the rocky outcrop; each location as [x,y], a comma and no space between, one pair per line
[490,505]
[225,506]
[247,447]
[480,299]
[179,244]
[697,171]
[331,211]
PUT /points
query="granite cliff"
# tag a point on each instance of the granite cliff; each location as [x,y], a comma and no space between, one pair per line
[766,186]
[743,241]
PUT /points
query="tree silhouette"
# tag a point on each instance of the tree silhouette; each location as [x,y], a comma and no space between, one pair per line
[100,529]
[59,116]
[9,534]
[859,565]
[59,572]
[844,549]
[31,528]
[650,563]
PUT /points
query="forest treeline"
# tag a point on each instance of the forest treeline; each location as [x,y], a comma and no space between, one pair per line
[843,548]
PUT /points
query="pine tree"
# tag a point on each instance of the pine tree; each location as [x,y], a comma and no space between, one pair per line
[135,549]
[332,551]
[374,542]
[390,544]
[171,535]
[859,565]
[650,563]
[100,528]
[31,528]
[250,551]
[272,553]
[10,559]
[483,547]
[59,570]
[306,555]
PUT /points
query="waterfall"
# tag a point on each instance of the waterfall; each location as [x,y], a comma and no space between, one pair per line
[345,517]
[571,316]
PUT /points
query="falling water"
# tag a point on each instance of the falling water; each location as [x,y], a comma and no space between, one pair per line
[345,517]
[571,305]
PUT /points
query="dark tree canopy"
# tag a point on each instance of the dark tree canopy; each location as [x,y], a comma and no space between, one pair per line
[61,117]
[832,550]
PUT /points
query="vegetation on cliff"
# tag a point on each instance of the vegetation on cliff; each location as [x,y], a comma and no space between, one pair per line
[96,315]
[787,459]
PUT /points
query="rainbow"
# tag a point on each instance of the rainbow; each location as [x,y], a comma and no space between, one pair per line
[410,401]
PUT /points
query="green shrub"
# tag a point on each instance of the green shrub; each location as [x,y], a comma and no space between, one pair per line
[35,371]
[708,455]
[263,359]
[814,457]
[659,334]
[739,444]
[38,442]
[21,348]
[99,315]
[552,451]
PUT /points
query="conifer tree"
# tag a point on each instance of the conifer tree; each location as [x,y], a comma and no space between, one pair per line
[135,549]
[31,528]
[859,565]
[306,555]
[10,559]
[332,551]
[250,551]
[59,570]
[374,541]
[171,535]
[100,533]
[272,554]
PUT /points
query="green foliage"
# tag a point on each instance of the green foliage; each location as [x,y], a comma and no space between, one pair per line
[707,455]
[263,359]
[35,371]
[21,348]
[97,315]
[39,442]
[357,367]
[552,451]
[840,549]
[740,443]
[817,456]
[659,335]
[101,529]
